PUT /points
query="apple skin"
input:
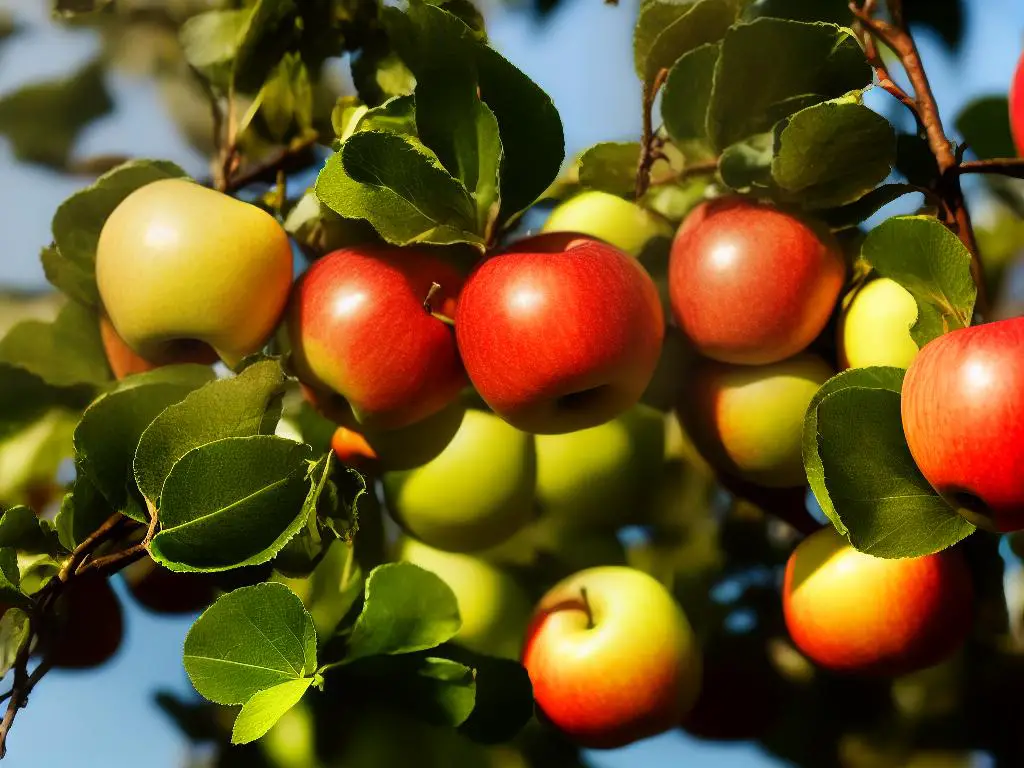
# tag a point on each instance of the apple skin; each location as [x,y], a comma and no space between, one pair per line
[475,494]
[751,284]
[90,625]
[124,362]
[602,475]
[559,333]
[494,608]
[358,328]
[162,591]
[178,263]
[1017,106]
[963,399]
[748,420]
[607,217]
[875,328]
[632,674]
[383,450]
[858,614]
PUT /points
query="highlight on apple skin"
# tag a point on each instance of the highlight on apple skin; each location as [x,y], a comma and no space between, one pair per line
[751,284]
[608,217]
[854,613]
[559,333]
[875,328]
[747,421]
[612,658]
[962,404]
[178,263]
[361,326]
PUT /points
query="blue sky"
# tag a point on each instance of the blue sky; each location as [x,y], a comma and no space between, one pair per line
[583,58]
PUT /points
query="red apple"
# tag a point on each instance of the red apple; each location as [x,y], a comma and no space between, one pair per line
[751,284]
[963,408]
[361,326]
[560,332]
[1017,106]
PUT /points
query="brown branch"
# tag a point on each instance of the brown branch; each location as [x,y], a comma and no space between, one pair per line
[885,81]
[287,160]
[649,147]
[111,564]
[1008,166]
[19,691]
[108,529]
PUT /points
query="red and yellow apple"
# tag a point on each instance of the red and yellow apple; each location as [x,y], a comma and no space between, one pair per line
[89,625]
[963,404]
[178,264]
[388,450]
[751,284]
[612,657]
[854,613]
[124,361]
[874,329]
[162,591]
[362,325]
[560,332]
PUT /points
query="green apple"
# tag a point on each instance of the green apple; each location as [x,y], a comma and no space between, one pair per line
[612,657]
[748,420]
[413,446]
[178,263]
[557,548]
[601,475]
[494,608]
[475,494]
[608,217]
[875,327]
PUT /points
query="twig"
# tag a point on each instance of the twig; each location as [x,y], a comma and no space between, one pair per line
[1009,166]
[109,527]
[649,148]
[113,563]
[19,691]
[287,160]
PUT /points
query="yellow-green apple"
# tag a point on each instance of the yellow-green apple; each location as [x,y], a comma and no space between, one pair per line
[963,398]
[178,263]
[874,329]
[382,450]
[560,332]
[124,361]
[555,548]
[162,591]
[1017,106]
[748,420]
[602,475]
[362,324]
[677,357]
[90,624]
[855,613]
[494,608]
[608,217]
[612,657]
[475,494]
[752,284]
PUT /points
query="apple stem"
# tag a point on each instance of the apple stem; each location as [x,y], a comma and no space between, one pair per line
[434,288]
[586,608]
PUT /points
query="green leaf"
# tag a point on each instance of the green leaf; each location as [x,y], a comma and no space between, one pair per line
[82,511]
[42,121]
[985,125]
[22,529]
[406,609]
[249,640]
[914,159]
[890,379]
[923,256]
[396,115]
[266,707]
[64,352]
[771,68]
[887,506]
[686,97]
[691,26]
[834,11]
[504,698]
[285,102]
[854,213]
[833,153]
[108,434]
[401,188]
[438,691]
[747,164]
[10,578]
[30,457]
[245,405]
[611,167]
[14,630]
[231,503]
[71,264]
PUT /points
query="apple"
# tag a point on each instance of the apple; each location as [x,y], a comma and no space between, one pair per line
[178,264]
[90,624]
[874,329]
[494,608]
[854,613]
[376,450]
[1017,106]
[124,361]
[475,494]
[559,333]
[602,475]
[748,420]
[361,326]
[162,591]
[751,284]
[612,657]
[610,218]
[674,364]
[963,402]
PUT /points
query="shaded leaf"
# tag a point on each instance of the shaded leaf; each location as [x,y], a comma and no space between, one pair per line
[748,164]
[690,26]
[14,630]
[611,167]
[22,529]
[64,352]
[687,95]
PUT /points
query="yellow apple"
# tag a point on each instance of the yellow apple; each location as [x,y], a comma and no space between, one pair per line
[608,217]
[875,327]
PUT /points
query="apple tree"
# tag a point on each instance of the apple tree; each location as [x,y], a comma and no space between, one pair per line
[462,452]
